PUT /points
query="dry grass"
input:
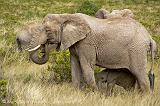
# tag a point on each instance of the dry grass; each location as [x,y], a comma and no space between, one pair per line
[37,93]
[65,94]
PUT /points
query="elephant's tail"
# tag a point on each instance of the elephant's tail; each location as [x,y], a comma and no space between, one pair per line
[151,72]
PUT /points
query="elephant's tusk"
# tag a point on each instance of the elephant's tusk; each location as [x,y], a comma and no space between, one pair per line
[30,50]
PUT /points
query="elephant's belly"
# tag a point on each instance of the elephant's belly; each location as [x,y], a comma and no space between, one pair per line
[116,57]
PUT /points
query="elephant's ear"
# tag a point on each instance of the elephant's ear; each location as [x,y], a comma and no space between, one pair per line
[75,28]
[102,14]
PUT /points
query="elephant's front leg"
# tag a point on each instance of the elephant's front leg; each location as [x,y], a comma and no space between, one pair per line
[88,73]
[75,69]
[110,87]
[87,59]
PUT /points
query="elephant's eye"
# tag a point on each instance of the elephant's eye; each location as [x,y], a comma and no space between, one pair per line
[48,32]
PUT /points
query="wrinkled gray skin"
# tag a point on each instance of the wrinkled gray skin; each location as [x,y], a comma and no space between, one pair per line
[110,43]
[121,77]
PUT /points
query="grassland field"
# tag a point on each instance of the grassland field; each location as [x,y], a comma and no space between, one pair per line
[24,83]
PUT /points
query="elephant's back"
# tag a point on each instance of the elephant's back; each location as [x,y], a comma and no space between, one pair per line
[120,30]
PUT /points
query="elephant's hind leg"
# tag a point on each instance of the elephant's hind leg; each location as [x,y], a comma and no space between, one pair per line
[138,61]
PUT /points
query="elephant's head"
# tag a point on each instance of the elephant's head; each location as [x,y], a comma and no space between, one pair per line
[59,30]
[101,78]
[102,14]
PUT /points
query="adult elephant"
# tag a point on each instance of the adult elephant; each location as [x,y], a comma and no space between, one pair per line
[109,43]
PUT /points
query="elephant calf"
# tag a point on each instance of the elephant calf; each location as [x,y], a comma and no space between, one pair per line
[121,77]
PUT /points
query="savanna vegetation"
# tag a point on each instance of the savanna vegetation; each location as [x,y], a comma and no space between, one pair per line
[24,83]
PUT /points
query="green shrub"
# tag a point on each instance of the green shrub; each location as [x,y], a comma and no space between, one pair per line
[88,7]
[3,89]
[60,71]
[5,96]
[61,67]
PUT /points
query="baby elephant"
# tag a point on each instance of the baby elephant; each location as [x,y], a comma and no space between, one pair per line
[121,77]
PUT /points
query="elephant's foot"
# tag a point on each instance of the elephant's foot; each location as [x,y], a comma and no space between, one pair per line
[95,88]
[92,85]
[110,87]
[76,84]
[143,87]
[108,94]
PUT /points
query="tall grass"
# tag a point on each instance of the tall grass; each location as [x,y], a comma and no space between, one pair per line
[39,92]
[30,84]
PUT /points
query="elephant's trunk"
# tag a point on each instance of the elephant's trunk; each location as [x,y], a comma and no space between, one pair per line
[34,55]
